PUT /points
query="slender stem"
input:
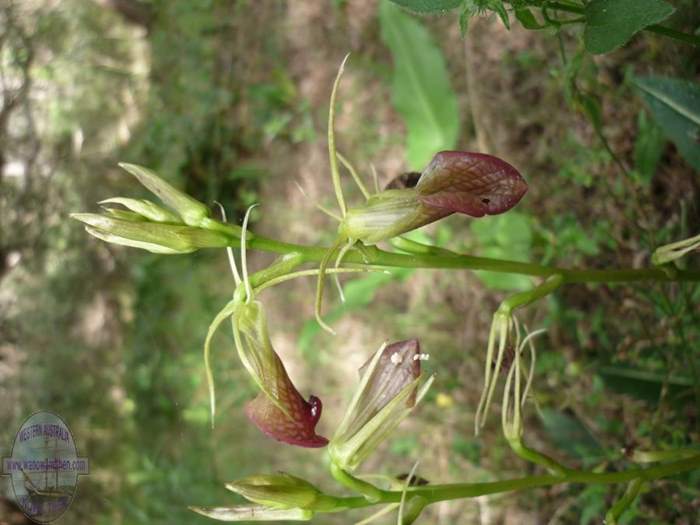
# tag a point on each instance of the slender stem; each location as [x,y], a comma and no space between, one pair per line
[461,490]
[527,297]
[538,458]
[353,173]
[374,256]
[436,493]
[312,272]
[370,492]
[439,258]
[621,505]
[676,35]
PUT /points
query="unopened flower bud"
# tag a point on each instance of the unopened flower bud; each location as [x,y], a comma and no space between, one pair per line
[145,208]
[388,391]
[152,236]
[191,210]
[282,491]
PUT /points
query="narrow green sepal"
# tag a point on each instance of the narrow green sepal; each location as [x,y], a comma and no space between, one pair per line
[386,215]
[144,208]
[152,236]
[671,252]
[191,210]
[253,513]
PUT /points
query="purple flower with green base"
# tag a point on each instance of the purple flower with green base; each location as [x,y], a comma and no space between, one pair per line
[473,184]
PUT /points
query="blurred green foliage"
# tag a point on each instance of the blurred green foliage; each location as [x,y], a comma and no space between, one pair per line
[625,358]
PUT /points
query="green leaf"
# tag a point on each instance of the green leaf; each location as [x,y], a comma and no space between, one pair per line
[527,19]
[675,105]
[428,6]
[612,23]
[569,434]
[421,90]
[643,384]
[648,147]
[506,236]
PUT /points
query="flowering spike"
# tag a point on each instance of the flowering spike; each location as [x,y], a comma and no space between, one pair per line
[155,237]
[281,491]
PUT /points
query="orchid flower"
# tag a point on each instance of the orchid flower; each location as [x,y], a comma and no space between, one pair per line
[473,184]
[279,410]
[389,390]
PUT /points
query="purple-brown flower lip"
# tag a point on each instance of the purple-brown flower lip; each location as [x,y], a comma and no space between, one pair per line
[298,430]
[278,410]
[475,184]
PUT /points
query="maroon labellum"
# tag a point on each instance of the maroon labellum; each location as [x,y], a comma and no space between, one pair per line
[296,424]
[278,410]
[298,430]
[475,184]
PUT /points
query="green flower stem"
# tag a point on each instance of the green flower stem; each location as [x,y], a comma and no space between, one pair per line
[373,256]
[672,33]
[436,493]
[309,273]
[652,456]
[371,493]
[443,492]
[418,248]
[283,266]
[621,505]
[530,296]
[533,456]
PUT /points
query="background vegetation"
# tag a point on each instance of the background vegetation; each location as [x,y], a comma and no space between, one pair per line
[229,100]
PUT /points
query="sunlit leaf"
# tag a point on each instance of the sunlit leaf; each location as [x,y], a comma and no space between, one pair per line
[421,90]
